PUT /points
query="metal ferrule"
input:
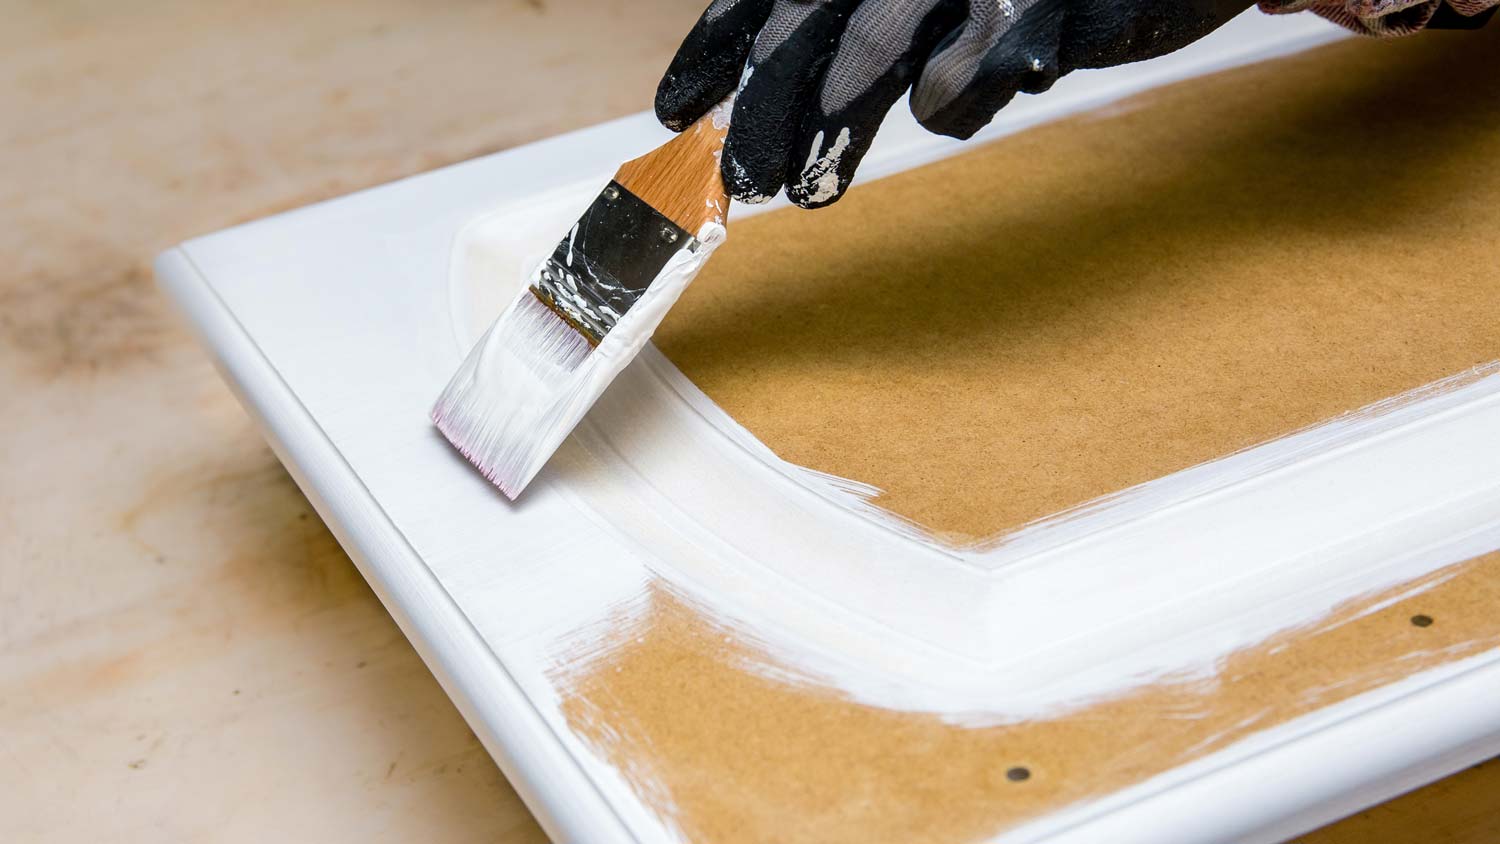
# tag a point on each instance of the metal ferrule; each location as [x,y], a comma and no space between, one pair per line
[604,265]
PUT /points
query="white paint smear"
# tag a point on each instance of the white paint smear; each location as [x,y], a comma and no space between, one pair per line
[1162,580]
[820,176]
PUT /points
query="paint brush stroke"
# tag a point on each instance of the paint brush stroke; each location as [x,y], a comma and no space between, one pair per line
[742,751]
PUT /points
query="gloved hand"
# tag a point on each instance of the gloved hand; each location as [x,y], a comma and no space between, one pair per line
[816,77]
[1390,18]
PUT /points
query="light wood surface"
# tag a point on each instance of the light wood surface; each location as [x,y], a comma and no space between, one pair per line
[185,652]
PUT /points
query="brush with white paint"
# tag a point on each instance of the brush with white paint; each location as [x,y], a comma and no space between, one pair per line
[589,308]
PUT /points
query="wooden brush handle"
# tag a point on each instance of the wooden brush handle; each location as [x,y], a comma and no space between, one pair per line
[680,178]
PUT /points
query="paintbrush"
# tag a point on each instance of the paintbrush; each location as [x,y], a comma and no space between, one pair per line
[588,308]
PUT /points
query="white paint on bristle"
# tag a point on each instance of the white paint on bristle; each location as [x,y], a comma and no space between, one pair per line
[532,376]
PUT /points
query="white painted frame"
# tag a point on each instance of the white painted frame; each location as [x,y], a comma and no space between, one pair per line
[338,323]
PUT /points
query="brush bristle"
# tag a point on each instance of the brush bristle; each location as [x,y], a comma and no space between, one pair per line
[534,374]
[502,407]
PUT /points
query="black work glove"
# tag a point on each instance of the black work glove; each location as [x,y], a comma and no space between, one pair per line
[817,77]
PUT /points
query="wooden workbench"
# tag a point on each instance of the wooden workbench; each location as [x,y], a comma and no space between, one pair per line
[185,652]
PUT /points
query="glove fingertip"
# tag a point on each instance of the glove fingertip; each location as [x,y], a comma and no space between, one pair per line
[753,162]
[741,182]
[817,194]
[673,109]
[943,113]
[957,122]
[992,88]
[707,66]
[751,198]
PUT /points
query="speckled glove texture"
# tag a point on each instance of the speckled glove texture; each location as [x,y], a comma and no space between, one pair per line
[1389,18]
[816,77]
